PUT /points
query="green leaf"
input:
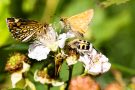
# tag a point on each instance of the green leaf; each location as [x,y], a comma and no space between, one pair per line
[64,72]
[77,69]
[40,86]
[55,88]
[36,65]
[21,83]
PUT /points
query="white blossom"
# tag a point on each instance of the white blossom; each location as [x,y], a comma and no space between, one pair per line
[46,80]
[38,52]
[95,63]
[25,68]
[40,79]
[71,60]
[63,37]
[61,40]
[46,43]
[17,76]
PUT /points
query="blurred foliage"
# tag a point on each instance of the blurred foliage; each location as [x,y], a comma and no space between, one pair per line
[110,2]
[111,31]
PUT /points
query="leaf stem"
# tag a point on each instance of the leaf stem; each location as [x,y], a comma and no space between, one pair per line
[49,86]
[70,76]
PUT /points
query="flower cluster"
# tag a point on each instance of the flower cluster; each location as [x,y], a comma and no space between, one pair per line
[94,62]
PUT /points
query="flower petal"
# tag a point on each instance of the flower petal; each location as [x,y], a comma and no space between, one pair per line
[106,66]
[57,83]
[95,69]
[70,34]
[61,40]
[42,80]
[16,77]
[71,60]
[38,52]
[85,59]
[99,67]
[103,58]
[26,67]
[52,34]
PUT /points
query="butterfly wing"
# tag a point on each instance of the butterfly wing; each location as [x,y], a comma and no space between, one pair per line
[79,23]
[23,29]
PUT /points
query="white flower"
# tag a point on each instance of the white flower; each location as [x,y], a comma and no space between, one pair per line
[46,43]
[45,79]
[98,68]
[95,63]
[71,60]
[17,76]
[70,34]
[63,37]
[26,67]
[61,40]
[38,52]
[85,59]
[41,79]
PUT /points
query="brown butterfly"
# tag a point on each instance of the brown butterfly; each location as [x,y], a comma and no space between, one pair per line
[78,24]
[24,29]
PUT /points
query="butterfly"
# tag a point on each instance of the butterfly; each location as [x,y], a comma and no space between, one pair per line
[78,24]
[24,29]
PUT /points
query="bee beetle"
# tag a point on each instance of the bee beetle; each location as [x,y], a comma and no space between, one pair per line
[80,45]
